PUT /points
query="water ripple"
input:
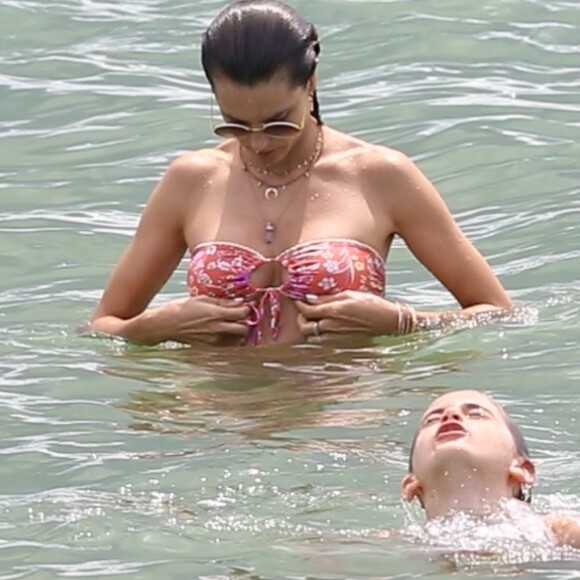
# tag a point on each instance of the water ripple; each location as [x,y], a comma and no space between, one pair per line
[120,460]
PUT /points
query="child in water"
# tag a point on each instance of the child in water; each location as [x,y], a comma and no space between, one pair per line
[468,458]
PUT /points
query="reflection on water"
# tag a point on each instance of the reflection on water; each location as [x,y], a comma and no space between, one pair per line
[120,461]
[271,391]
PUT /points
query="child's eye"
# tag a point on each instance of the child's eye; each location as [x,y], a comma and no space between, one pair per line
[476,412]
[430,419]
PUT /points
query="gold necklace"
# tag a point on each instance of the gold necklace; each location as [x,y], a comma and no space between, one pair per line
[272,191]
[305,163]
[270,225]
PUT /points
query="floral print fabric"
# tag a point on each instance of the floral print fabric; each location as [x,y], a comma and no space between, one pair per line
[320,267]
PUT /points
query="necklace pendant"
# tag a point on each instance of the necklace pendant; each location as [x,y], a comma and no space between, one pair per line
[270,231]
[271,193]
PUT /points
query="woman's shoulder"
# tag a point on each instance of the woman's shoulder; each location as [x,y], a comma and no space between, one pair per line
[190,175]
[347,150]
[201,163]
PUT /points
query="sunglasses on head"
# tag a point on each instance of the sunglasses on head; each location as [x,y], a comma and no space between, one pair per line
[277,129]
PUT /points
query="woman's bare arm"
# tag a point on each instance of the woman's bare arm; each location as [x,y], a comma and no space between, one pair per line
[149,260]
[422,219]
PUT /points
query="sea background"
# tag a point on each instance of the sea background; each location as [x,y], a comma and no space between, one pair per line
[120,461]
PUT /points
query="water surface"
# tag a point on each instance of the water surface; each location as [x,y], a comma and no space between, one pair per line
[124,461]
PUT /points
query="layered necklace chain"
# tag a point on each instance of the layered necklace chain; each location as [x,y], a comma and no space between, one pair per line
[271,191]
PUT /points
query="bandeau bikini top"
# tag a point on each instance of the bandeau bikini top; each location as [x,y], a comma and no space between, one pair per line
[320,267]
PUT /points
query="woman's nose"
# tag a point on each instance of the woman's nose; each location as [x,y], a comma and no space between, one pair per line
[258,141]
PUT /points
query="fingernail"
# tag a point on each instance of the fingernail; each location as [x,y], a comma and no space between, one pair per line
[311,297]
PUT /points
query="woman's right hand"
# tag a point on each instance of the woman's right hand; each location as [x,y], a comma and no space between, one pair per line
[194,320]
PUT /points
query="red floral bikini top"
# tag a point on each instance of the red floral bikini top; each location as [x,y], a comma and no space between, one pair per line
[320,267]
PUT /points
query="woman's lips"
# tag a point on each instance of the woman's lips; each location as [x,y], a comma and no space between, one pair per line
[264,153]
[264,157]
[450,429]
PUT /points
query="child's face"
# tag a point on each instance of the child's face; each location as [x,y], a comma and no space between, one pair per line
[464,424]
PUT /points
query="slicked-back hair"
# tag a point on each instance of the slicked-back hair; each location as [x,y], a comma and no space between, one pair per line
[251,41]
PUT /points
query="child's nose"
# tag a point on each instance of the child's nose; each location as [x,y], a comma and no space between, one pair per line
[452,414]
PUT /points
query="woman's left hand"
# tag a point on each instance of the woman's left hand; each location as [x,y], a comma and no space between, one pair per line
[346,315]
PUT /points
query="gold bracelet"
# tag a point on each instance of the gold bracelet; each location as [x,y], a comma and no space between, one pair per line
[399,317]
[414,321]
[406,319]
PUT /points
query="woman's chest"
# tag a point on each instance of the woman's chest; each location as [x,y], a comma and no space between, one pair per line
[310,209]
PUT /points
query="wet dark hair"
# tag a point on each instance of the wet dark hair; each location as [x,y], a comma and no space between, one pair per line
[250,41]
[519,440]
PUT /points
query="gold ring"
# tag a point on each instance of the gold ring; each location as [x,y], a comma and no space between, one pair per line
[317,328]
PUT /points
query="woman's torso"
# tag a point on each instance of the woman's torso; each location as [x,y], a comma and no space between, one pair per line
[339,205]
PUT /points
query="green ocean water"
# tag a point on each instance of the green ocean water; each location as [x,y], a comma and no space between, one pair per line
[276,463]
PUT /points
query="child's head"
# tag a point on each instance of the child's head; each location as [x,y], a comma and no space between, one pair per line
[466,441]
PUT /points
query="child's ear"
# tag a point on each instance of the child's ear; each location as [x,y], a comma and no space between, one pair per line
[410,487]
[522,471]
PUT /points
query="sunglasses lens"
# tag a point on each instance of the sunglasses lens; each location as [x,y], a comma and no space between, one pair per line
[231,131]
[282,130]
[276,129]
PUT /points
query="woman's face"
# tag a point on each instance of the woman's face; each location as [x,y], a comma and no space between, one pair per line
[253,106]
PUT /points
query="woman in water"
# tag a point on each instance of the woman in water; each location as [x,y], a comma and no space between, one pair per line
[289,222]
[469,458]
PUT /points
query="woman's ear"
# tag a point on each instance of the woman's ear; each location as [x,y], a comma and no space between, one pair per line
[410,487]
[312,84]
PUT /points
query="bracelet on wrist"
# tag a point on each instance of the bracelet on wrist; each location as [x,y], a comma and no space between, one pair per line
[406,318]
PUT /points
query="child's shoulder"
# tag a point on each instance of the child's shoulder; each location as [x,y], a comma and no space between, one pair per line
[566,529]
